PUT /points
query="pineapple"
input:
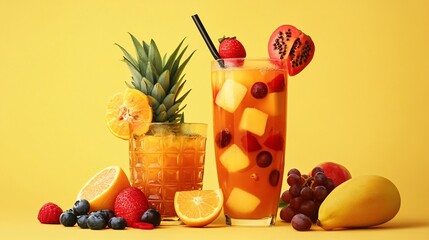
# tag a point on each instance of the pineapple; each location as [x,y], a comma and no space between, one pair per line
[161,79]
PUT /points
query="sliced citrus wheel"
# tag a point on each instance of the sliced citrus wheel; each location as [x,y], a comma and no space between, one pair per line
[101,190]
[126,110]
[198,208]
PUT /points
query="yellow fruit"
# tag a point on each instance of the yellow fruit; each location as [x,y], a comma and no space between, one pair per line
[234,159]
[198,208]
[126,110]
[101,190]
[360,202]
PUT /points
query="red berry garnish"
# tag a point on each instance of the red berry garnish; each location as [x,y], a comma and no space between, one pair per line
[230,47]
[274,141]
[277,84]
[250,143]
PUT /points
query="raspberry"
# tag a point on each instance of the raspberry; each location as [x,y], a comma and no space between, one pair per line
[130,204]
[49,213]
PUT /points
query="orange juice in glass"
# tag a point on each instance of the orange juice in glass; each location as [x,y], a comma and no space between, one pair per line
[249,112]
[166,159]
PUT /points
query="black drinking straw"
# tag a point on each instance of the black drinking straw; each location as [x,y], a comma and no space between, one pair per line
[207,39]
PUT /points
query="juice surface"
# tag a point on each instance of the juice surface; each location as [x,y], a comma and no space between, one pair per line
[250,134]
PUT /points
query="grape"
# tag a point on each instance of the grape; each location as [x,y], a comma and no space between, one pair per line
[293,179]
[320,179]
[295,202]
[320,193]
[304,196]
[316,170]
[264,159]
[306,180]
[330,185]
[294,171]
[223,138]
[287,213]
[306,193]
[286,196]
[309,208]
[295,190]
[259,90]
[301,222]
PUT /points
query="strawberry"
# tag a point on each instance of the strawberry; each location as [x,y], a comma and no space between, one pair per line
[230,47]
[277,84]
[130,204]
[250,143]
[49,213]
[274,141]
[142,225]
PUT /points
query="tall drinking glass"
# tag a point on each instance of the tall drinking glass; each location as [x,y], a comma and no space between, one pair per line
[249,112]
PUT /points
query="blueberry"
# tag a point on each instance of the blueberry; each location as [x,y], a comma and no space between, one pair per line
[264,159]
[117,223]
[259,90]
[68,218]
[96,221]
[151,216]
[82,221]
[107,214]
[81,207]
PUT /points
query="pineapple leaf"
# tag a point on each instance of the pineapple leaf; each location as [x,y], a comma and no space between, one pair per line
[169,100]
[173,109]
[128,57]
[175,115]
[148,85]
[164,80]
[146,47]
[182,67]
[149,73]
[161,108]
[161,117]
[183,96]
[153,102]
[154,56]
[164,58]
[141,54]
[130,85]
[136,76]
[170,61]
[158,92]
[175,66]
[175,87]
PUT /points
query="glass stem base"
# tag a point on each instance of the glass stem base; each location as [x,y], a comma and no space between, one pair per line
[262,222]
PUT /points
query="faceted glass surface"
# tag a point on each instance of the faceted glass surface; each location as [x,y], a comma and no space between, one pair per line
[168,158]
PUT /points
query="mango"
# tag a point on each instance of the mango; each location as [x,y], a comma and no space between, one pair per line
[360,202]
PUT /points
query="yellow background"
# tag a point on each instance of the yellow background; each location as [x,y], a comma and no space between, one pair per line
[362,102]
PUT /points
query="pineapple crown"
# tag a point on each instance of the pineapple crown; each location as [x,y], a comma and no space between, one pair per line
[161,79]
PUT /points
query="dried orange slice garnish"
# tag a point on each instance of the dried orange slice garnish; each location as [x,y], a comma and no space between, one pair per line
[126,110]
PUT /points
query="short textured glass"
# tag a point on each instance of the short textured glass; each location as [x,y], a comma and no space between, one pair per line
[168,158]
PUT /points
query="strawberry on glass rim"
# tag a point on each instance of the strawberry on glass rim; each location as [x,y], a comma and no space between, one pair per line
[230,47]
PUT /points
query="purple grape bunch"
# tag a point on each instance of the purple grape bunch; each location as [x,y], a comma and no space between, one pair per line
[304,196]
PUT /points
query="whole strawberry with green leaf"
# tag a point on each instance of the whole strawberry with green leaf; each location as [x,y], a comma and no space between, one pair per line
[230,47]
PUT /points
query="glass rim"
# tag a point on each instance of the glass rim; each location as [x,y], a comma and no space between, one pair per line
[250,59]
[177,123]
